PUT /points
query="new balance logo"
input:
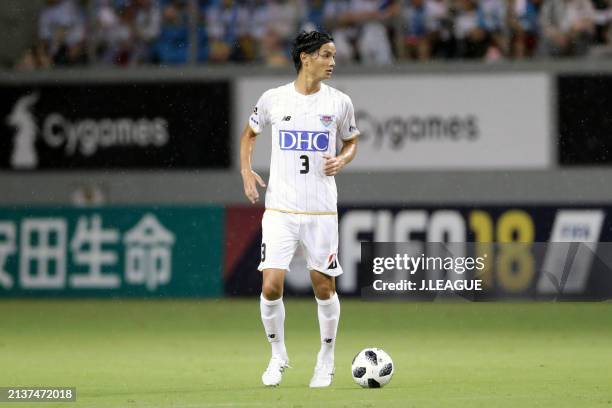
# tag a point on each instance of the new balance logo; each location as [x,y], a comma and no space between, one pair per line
[272,335]
[286,119]
[328,341]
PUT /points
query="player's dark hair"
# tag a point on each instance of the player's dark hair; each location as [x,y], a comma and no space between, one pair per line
[308,42]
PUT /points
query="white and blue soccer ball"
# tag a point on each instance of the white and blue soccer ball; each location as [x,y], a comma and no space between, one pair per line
[372,368]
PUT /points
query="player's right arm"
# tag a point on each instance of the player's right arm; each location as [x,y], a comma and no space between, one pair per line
[250,179]
[258,120]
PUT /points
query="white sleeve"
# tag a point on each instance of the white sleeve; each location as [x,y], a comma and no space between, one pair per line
[260,117]
[347,126]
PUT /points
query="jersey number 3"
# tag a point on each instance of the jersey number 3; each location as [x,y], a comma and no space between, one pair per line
[305,164]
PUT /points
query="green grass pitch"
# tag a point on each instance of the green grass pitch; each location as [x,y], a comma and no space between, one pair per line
[212,353]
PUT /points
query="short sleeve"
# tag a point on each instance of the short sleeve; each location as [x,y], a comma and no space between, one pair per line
[260,117]
[348,127]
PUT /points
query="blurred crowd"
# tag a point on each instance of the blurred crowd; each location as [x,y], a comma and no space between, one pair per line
[377,32]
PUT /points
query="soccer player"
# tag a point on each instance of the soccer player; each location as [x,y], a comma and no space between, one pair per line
[307,118]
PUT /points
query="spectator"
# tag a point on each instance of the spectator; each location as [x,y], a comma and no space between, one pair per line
[34,58]
[493,19]
[524,25]
[130,32]
[276,21]
[284,16]
[603,15]
[116,36]
[228,32]
[202,31]
[314,15]
[424,22]
[471,38]
[274,51]
[440,25]
[147,25]
[122,37]
[61,26]
[105,23]
[373,41]
[416,34]
[172,45]
[336,17]
[567,27]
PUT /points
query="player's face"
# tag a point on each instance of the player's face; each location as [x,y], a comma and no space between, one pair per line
[323,61]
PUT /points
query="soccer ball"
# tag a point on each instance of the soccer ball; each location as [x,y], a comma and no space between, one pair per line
[372,368]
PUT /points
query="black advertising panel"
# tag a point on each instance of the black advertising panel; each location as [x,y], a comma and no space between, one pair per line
[585,119]
[531,252]
[535,252]
[148,125]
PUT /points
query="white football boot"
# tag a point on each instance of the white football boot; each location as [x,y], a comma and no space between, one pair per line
[274,373]
[323,375]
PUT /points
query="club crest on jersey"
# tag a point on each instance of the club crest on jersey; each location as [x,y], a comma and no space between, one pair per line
[326,120]
[303,140]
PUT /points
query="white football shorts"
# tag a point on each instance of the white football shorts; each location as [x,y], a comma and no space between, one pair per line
[283,232]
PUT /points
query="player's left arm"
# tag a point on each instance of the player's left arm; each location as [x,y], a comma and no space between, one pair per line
[348,133]
[333,165]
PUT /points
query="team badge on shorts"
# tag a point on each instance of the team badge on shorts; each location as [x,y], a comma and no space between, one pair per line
[326,120]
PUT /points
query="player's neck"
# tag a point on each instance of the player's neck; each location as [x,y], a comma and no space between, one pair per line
[307,85]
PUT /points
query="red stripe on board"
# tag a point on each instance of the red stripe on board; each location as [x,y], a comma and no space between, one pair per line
[242,226]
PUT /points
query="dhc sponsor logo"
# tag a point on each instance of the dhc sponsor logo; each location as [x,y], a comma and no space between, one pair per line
[303,140]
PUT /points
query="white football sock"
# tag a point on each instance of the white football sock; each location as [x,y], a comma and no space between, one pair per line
[273,318]
[329,315]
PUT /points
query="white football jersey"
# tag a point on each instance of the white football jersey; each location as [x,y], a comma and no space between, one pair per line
[304,127]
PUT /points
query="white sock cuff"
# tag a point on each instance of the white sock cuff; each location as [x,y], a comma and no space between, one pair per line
[325,302]
[270,302]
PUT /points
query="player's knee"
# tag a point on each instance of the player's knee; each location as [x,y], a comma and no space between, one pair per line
[324,290]
[272,290]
